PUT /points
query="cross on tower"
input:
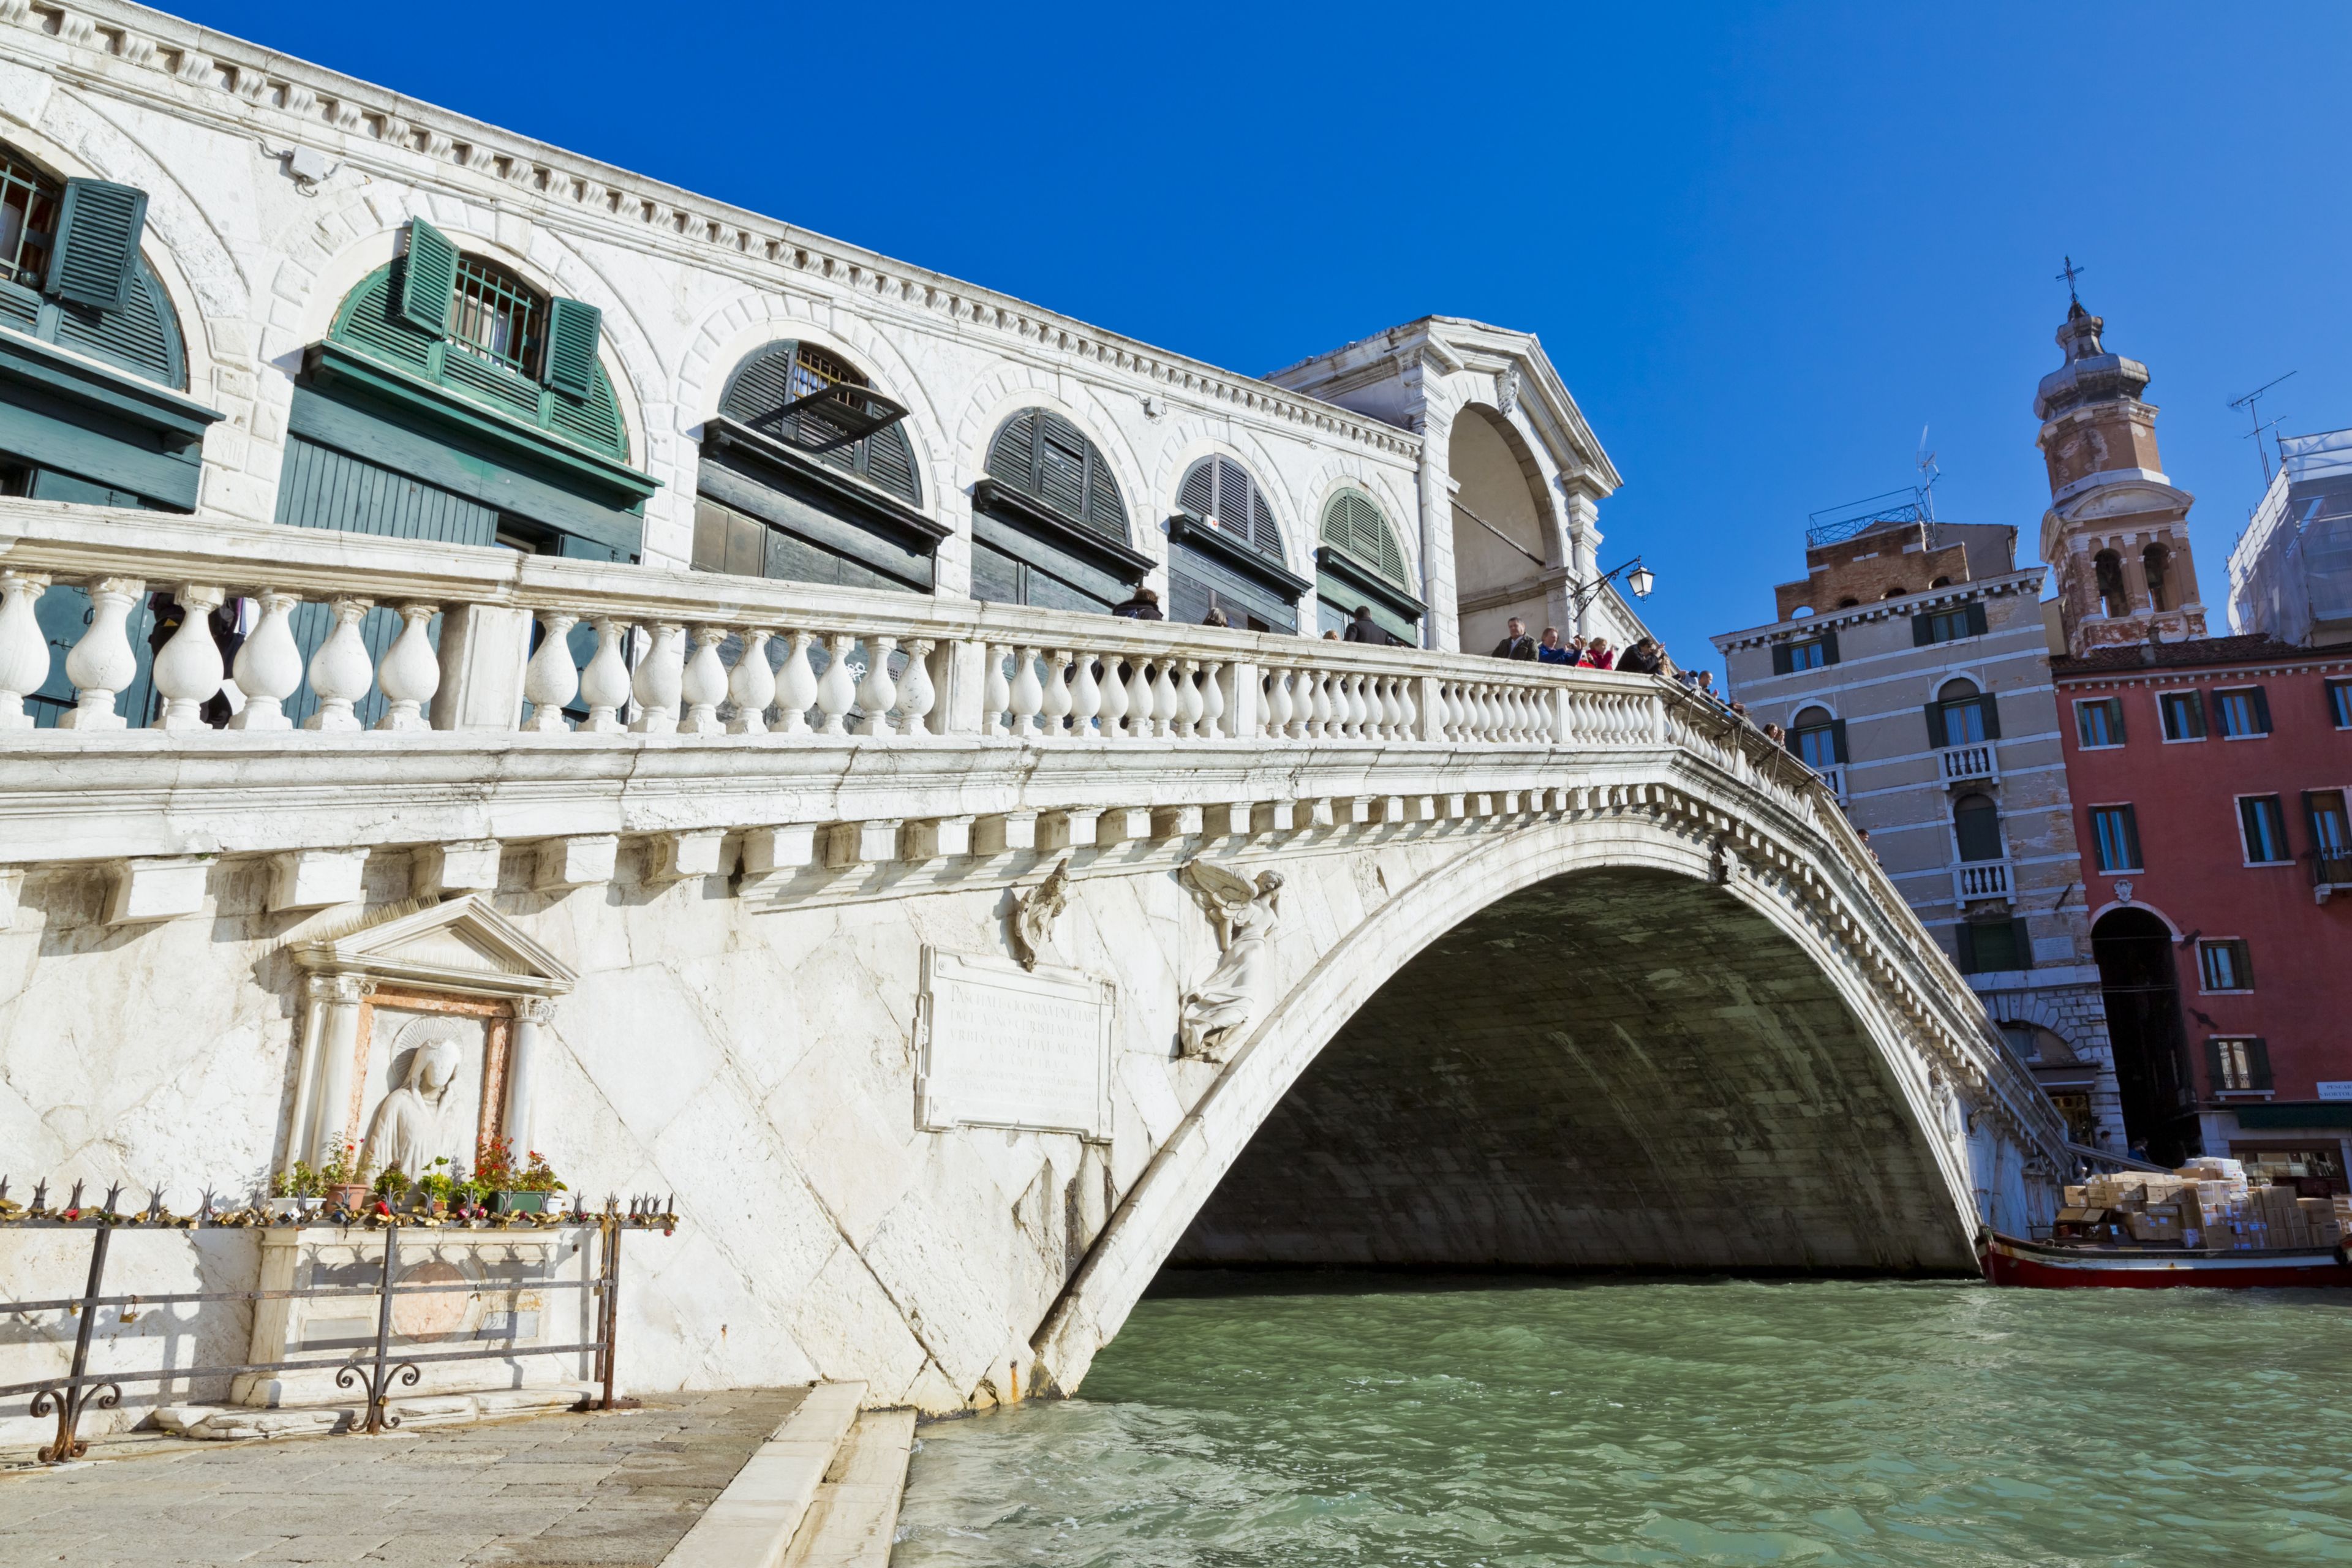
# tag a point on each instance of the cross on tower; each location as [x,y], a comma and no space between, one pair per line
[2068,278]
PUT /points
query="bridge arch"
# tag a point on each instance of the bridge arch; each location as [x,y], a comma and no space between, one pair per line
[1914,1141]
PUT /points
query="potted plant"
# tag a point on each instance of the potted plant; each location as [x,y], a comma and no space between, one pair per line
[515,1189]
[340,1180]
[293,1192]
[391,1191]
[437,1188]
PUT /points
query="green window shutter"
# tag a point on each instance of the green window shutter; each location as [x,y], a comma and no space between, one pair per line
[1784,660]
[2023,941]
[2258,1063]
[97,247]
[2219,724]
[1935,741]
[1976,620]
[2213,1077]
[428,278]
[1965,940]
[572,331]
[1837,738]
[1198,493]
[2262,706]
[1923,630]
[1990,708]
[1829,647]
[2131,835]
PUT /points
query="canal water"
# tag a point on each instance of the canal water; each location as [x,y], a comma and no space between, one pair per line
[1463,1424]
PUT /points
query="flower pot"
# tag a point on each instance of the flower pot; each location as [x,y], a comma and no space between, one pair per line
[285,1208]
[349,1197]
[522,1203]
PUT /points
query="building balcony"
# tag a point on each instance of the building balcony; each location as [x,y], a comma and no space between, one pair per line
[1977,761]
[1833,779]
[1976,881]
[2330,874]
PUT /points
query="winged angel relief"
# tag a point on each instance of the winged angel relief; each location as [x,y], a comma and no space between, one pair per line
[1245,913]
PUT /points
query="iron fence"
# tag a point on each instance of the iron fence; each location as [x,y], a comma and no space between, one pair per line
[377,1371]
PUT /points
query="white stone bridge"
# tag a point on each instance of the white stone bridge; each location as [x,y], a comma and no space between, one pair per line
[1569,969]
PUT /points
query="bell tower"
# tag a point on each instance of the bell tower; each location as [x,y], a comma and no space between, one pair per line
[2117,533]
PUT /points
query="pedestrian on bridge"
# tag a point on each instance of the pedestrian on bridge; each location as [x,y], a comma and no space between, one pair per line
[1363,628]
[1551,652]
[1516,644]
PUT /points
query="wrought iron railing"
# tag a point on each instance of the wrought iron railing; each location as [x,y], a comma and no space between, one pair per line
[377,1370]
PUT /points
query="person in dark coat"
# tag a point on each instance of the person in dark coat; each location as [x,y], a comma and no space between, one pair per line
[1364,630]
[1143,607]
[1641,658]
[1516,644]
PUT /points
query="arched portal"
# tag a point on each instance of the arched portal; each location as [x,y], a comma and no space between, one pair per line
[1502,530]
[2142,991]
[1610,1027]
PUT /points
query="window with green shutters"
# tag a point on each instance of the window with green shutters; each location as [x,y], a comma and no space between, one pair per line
[1962,716]
[1947,626]
[2114,838]
[2184,715]
[2243,714]
[71,273]
[1813,652]
[1045,456]
[788,373]
[2339,704]
[2225,965]
[1989,947]
[2237,1063]
[1976,827]
[28,219]
[1354,525]
[1219,491]
[2099,722]
[1817,740]
[2262,823]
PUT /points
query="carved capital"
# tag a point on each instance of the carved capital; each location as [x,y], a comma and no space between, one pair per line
[348,989]
[537,1010]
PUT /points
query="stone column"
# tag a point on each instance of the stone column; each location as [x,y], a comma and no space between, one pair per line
[1583,552]
[336,999]
[530,1014]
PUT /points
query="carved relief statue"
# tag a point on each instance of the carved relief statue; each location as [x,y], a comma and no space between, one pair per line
[1245,913]
[1034,912]
[405,1133]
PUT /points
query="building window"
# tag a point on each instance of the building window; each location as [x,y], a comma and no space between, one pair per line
[2114,833]
[28,220]
[1803,656]
[2331,833]
[2243,714]
[1817,740]
[2340,703]
[2225,965]
[1991,946]
[2237,1063]
[1975,824]
[2263,826]
[496,314]
[1947,626]
[2184,716]
[1361,561]
[1961,716]
[2099,722]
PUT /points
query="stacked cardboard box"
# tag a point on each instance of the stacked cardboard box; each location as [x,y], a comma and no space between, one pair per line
[2207,1203]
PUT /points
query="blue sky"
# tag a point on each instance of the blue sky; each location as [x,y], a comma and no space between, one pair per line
[1763,245]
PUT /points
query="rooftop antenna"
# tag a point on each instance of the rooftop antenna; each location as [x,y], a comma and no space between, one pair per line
[2068,277]
[1924,461]
[2251,404]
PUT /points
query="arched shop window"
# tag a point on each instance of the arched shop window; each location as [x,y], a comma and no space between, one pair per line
[1049,526]
[807,474]
[92,364]
[1224,552]
[452,401]
[1359,562]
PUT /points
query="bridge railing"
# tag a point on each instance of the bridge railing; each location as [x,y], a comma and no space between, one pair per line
[408,635]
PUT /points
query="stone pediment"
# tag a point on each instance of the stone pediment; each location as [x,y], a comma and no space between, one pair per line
[462,945]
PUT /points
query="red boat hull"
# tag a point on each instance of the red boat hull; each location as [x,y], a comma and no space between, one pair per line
[2036,1265]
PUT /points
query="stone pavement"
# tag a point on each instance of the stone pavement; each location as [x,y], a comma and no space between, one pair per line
[614,1490]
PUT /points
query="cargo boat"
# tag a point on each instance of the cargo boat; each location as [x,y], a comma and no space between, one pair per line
[2064,1265]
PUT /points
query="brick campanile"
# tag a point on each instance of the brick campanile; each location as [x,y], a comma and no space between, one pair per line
[2116,532]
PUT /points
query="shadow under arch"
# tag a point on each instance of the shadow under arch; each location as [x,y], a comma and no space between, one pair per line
[1570,1049]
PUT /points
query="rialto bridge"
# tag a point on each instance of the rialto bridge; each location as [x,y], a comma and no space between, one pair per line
[1564,968]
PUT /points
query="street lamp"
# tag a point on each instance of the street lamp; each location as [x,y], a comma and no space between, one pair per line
[1641,580]
[1638,577]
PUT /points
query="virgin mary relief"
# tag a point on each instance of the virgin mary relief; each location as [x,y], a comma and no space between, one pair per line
[423,1115]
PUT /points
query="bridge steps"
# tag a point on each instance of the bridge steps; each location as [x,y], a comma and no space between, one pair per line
[752,1523]
[856,1515]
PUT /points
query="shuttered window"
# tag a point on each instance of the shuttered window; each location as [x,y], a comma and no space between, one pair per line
[70,272]
[2099,722]
[2114,834]
[1220,491]
[2242,713]
[1045,456]
[1947,626]
[1989,947]
[2237,1063]
[28,220]
[1354,525]
[97,248]
[784,374]
[2262,822]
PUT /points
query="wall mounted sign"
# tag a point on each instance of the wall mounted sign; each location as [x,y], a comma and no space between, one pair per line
[1000,1045]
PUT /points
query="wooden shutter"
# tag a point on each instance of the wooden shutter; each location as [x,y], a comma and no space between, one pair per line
[1965,940]
[97,247]
[1837,738]
[759,386]
[2023,941]
[1990,708]
[1784,659]
[2262,707]
[2214,1080]
[1935,741]
[1013,456]
[2218,724]
[2131,835]
[1923,630]
[1198,493]
[571,333]
[1829,647]
[1977,626]
[2258,1063]
[1264,531]
[1105,510]
[428,278]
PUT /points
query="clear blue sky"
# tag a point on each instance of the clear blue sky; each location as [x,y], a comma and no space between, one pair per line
[1763,245]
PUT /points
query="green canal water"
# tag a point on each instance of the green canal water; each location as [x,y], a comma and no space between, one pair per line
[1477,1424]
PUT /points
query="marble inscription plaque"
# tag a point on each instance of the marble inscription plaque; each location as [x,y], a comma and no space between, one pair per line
[999,1046]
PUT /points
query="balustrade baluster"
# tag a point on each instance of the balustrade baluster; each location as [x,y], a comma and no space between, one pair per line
[1112,723]
[703,686]
[996,692]
[24,650]
[188,669]
[1451,715]
[1324,722]
[1211,723]
[1140,700]
[751,684]
[1086,699]
[341,671]
[269,666]
[101,664]
[837,689]
[878,693]
[1514,716]
[796,686]
[1188,703]
[1277,703]
[917,696]
[660,681]
[1028,694]
[1359,709]
[1395,725]
[604,684]
[1408,710]
[1163,698]
[410,672]
[550,679]
[1057,701]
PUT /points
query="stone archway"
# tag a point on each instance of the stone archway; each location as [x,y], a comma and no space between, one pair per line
[1505,558]
[1832,1099]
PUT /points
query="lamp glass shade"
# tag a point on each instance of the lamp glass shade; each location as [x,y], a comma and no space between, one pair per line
[1641,580]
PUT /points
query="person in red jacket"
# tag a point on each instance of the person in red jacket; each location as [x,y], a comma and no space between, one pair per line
[1598,657]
